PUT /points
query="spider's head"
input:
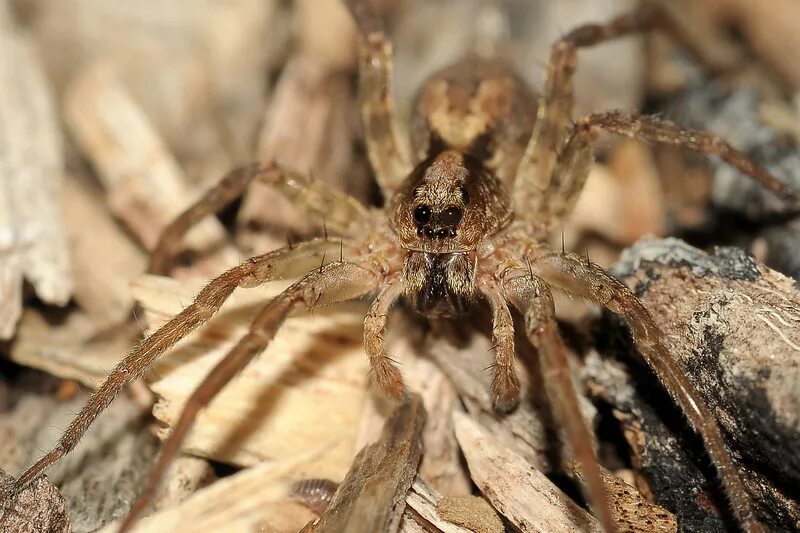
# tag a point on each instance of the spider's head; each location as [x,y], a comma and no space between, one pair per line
[449,203]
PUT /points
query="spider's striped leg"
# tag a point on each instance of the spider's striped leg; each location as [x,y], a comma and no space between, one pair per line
[574,159]
[535,172]
[579,277]
[332,283]
[656,130]
[532,297]
[388,153]
[279,264]
[338,210]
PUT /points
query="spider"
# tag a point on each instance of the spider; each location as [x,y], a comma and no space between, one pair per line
[494,168]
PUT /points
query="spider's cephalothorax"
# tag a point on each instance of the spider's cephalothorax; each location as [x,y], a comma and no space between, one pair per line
[447,206]
[485,147]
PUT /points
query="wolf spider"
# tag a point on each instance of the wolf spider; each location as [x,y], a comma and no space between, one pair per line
[493,169]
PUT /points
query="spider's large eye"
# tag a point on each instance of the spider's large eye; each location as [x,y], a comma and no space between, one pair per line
[451,216]
[422,214]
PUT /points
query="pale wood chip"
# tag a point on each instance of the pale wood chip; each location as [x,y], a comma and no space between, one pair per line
[255,499]
[514,487]
[70,345]
[32,241]
[145,186]
[422,502]
[106,260]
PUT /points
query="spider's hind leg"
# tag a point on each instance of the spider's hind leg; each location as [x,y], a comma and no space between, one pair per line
[575,158]
[579,277]
[338,210]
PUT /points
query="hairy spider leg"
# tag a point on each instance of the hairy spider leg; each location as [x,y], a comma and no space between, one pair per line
[338,210]
[279,264]
[574,160]
[387,148]
[532,297]
[335,282]
[535,172]
[584,279]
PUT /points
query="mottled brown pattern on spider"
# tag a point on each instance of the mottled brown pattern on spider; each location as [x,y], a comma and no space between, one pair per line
[464,222]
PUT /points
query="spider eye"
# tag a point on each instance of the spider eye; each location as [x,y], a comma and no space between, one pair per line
[422,214]
[451,216]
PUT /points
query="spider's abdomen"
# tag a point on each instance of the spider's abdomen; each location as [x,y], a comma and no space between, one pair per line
[478,107]
[440,284]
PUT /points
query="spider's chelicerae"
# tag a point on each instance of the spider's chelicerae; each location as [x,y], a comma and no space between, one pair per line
[493,169]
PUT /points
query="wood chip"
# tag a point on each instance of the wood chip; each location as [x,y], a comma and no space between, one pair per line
[372,496]
[70,345]
[255,499]
[305,393]
[106,260]
[32,241]
[145,186]
[422,502]
[521,493]
[471,512]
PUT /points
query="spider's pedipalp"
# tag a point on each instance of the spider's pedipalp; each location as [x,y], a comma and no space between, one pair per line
[532,297]
[270,266]
[336,281]
[572,274]
[505,383]
[338,210]
[387,376]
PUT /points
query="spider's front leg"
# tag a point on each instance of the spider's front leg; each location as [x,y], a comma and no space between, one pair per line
[337,210]
[280,264]
[584,279]
[335,282]
[388,154]
[532,297]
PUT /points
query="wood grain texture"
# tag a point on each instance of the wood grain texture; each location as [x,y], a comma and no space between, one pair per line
[33,244]
[372,496]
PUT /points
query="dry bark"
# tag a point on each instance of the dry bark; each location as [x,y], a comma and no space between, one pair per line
[37,509]
[33,244]
[372,496]
[734,327]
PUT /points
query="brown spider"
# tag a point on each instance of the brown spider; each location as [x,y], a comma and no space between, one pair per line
[494,169]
